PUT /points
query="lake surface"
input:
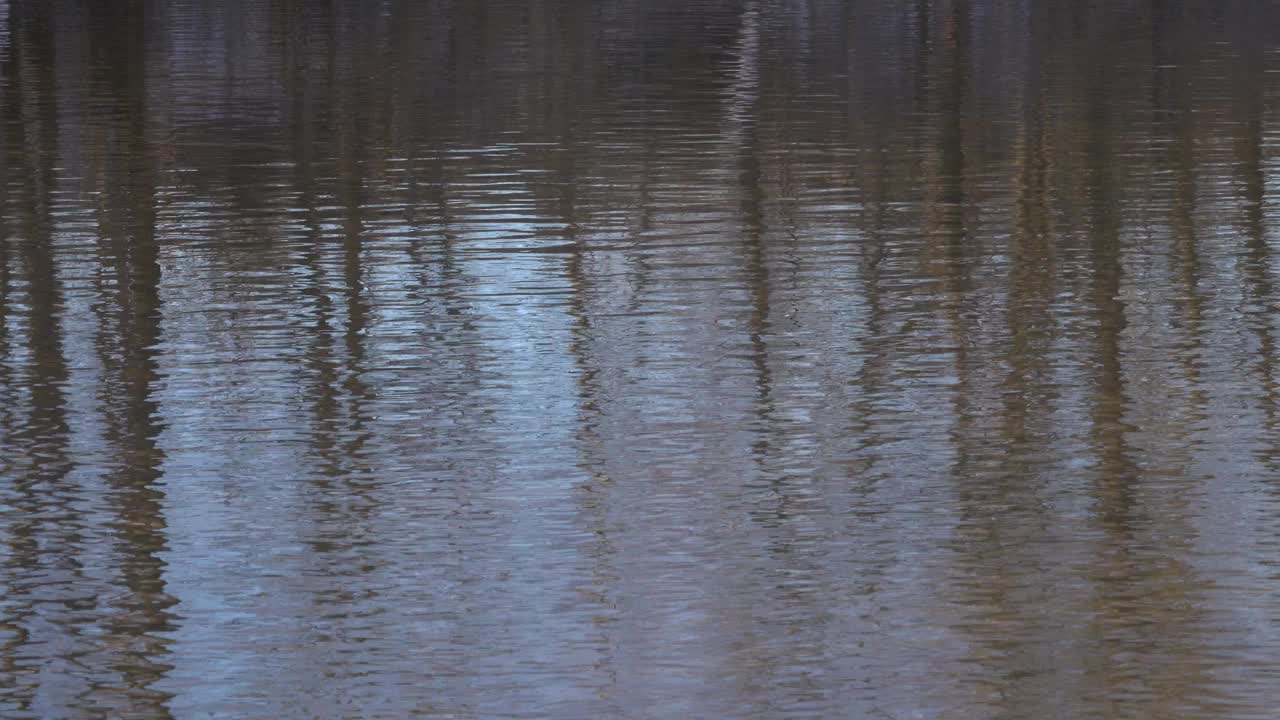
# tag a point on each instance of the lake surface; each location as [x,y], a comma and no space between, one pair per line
[640,359]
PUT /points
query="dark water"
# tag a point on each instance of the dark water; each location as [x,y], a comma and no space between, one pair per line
[640,359]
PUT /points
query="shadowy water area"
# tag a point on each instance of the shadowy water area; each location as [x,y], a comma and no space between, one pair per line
[640,359]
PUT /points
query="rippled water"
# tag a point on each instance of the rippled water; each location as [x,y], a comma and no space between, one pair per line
[640,359]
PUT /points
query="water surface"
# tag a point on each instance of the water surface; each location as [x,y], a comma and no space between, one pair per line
[640,359]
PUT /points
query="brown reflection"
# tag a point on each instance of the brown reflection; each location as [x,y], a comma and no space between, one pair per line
[31,129]
[1249,146]
[778,649]
[8,230]
[950,252]
[1036,345]
[308,36]
[45,538]
[353,287]
[1126,574]
[338,118]
[951,248]
[1008,583]
[1116,472]
[1115,475]
[342,497]
[640,272]
[595,501]
[1173,101]
[1028,391]
[742,101]
[128,313]
[322,367]
[870,379]
[336,356]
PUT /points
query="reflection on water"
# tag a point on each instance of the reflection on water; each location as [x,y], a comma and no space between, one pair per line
[632,359]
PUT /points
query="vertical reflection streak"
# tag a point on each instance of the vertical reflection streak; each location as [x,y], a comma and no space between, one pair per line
[1116,470]
[1115,483]
[590,439]
[129,333]
[46,537]
[1250,150]
[687,456]
[1174,100]
[7,236]
[743,123]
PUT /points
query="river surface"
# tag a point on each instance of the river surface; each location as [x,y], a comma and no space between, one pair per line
[640,359]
